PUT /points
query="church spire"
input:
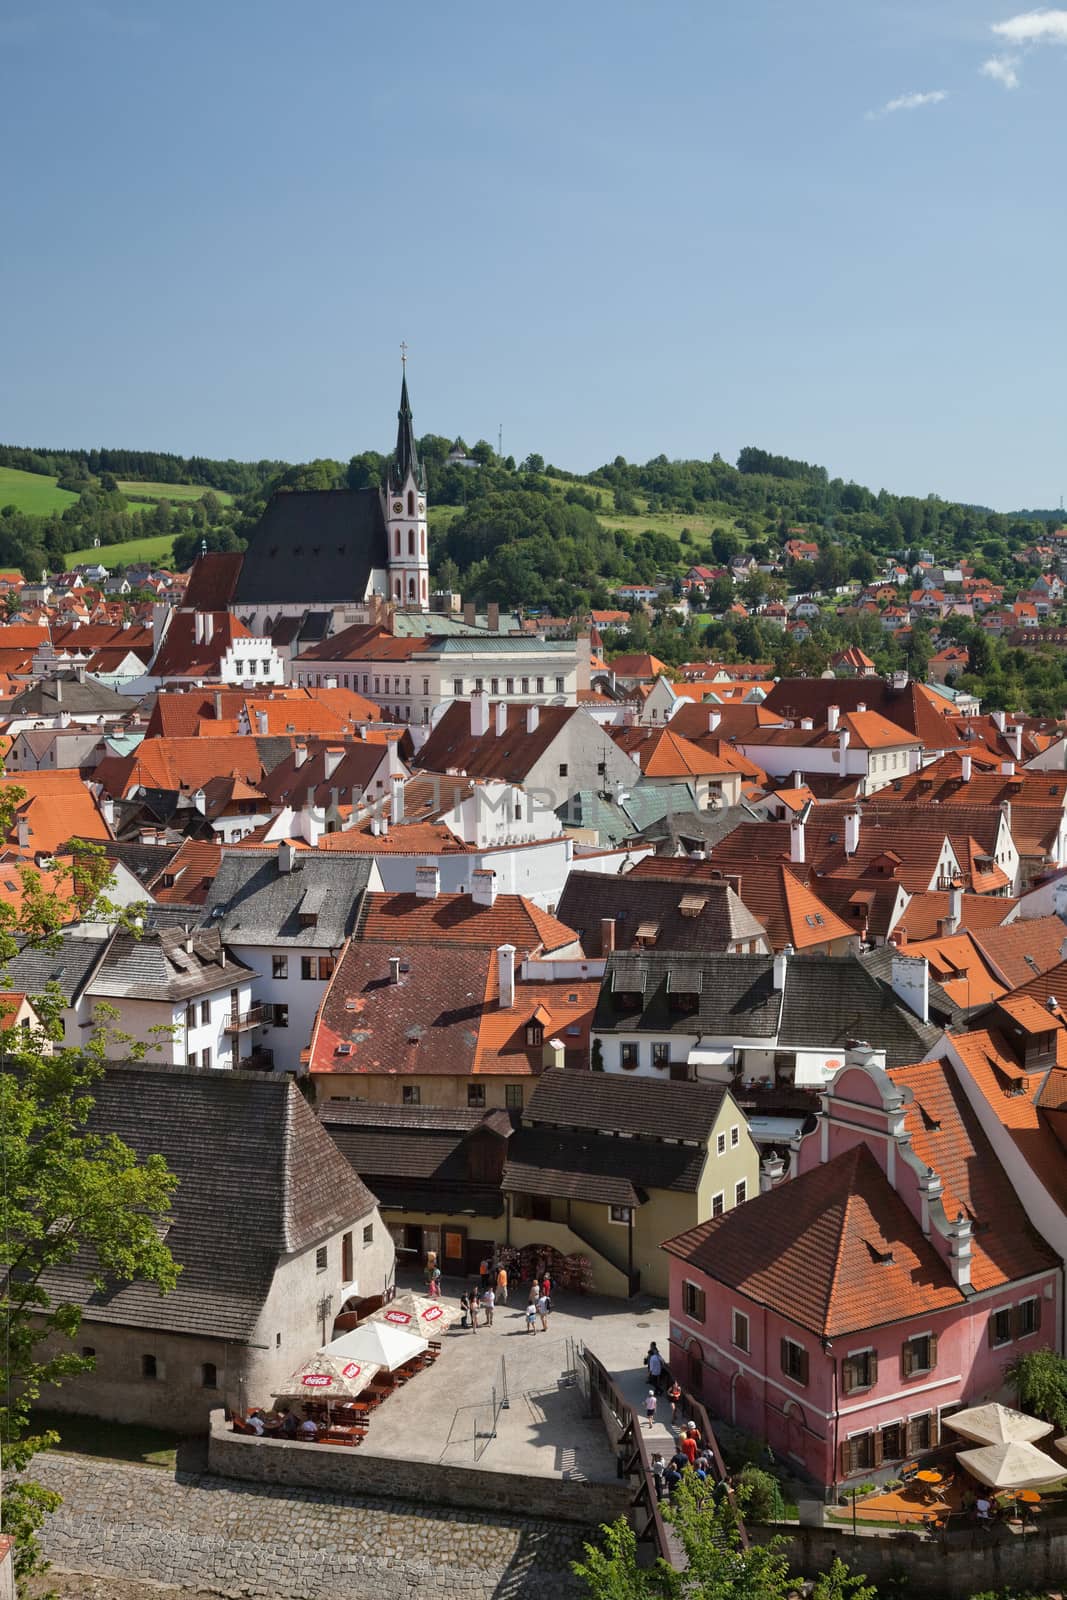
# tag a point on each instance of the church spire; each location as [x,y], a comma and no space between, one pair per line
[407,456]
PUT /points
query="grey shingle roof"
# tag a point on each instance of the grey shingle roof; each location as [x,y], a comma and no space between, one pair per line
[943,1009]
[69,965]
[831,999]
[313,545]
[51,696]
[594,1166]
[258,1179]
[641,1107]
[255,903]
[713,917]
[737,996]
[160,965]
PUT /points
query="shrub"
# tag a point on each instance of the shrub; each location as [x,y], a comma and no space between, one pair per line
[760,1495]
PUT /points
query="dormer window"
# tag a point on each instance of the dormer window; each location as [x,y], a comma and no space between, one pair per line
[535,1033]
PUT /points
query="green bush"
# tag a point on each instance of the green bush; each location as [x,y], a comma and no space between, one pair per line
[759,1495]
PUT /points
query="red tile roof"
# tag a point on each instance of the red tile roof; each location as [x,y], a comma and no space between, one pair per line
[662,753]
[452,919]
[183,656]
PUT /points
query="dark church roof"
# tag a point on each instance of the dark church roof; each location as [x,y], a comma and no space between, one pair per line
[314,545]
[407,456]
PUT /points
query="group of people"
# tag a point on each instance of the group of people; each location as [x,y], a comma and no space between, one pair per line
[491,1290]
[690,1455]
[282,1424]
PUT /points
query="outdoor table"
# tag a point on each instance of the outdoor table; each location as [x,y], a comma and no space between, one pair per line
[1030,1497]
[930,1481]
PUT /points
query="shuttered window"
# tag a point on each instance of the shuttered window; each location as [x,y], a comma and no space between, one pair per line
[918,1354]
[859,1371]
[794,1361]
[1027,1317]
[857,1454]
[921,1433]
[1002,1326]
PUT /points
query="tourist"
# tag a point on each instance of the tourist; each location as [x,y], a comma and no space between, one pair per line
[290,1425]
[694,1432]
[654,1364]
[658,1474]
[546,1288]
[674,1395]
[689,1448]
[650,1407]
[502,1285]
[672,1477]
[488,1302]
[432,1274]
[254,1421]
[309,1429]
[542,1311]
[465,1308]
[483,1272]
[531,1317]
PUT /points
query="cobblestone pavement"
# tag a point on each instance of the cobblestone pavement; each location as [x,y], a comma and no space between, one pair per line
[210,1536]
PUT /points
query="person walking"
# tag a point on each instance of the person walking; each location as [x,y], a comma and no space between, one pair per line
[488,1302]
[650,1408]
[658,1471]
[543,1309]
[654,1363]
[502,1285]
[431,1272]
[473,1301]
[483,1273]
[674,1395]
[546,1288]
[531,1317]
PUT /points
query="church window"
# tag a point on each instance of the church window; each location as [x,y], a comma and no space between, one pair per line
[398,541]
[411,503]
[411,588]
[396,588]
[424,580]
[411,541]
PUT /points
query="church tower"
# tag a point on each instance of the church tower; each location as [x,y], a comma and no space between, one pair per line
[404,504]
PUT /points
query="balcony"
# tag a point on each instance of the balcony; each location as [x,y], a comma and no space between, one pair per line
[245,1021]
[258,1061]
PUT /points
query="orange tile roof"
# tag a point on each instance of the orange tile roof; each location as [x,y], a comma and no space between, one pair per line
[1020,950]
[10,1005]
[411,838]
[835,1251]
[661,753]
[181,763]
[995,1072]
[188,875]
[57,806]
[956,962]
[565,1010]
[638,666]
[927,908]
[457,919]
[789,909]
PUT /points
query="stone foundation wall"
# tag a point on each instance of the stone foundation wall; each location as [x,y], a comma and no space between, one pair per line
[954,1570]
[357,1471]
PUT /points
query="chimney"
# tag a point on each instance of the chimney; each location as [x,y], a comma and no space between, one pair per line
[965,768]
[843,737]
[483,886]
[1015,739]
[394,969]
[607,935]
[910,981]
[396,806]
[479,715]
[553,1054]
[332,758]
[286,856]
[955,908]
[853,823]
[469,613]
[781,966]
[107,811]
[505,967]
[218,705]
[198,627]
[330,681]
[427,882]
[796,840]
[1007,769]
[300,755]
[1000,720]
[384,826]
[262,720]
[771,1172]
[959,1251]
[501,709]
[714,718]
[492,616]
[59,691]
[533,716]
[806,723]
[798,778]
[833,717]
[22,827]
[209,626]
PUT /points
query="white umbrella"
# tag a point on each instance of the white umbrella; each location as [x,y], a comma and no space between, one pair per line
[997,1424]
[378,1342]
[419,1313]
[328,1377]
[1010,1466]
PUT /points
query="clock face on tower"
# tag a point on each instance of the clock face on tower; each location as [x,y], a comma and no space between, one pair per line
[422,506]
[398,506]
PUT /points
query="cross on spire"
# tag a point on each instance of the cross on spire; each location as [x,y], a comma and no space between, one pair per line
[404,354]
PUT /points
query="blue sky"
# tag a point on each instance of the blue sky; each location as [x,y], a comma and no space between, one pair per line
[611,227]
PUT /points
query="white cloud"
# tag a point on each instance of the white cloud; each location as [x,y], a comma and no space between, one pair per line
[909,102]
[1034,27]
[1003,69]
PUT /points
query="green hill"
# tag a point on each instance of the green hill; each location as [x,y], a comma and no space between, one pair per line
[37,496]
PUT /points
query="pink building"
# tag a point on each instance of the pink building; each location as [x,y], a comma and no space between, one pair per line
[842,1313]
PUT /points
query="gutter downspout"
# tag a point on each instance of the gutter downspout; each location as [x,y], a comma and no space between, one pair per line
[828,1349]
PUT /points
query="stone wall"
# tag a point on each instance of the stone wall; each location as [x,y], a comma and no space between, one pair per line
[357,1471]
[952,1570]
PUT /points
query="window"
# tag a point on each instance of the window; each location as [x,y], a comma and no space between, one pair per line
[559,685]
[794,1361]
[535,1033]
[601,768]
[479,685]
[206,1058]
[457,685]
[368,1233]
[148,1367]
[513,1096]
[88,1351]
[1027,1317]
[321,1258]
[510,685]
[476,1095]
[661,1055]
[858,1453]
[739,1333]
[279,966]
[425,685]
[209,1376]
[1001,1326]
[859,1371]
[720,1144]
[281,1016]
[307,967]
[325,967]
[693,1301]
[620,1214]
[740,1193]
[494,685]
[718,1204]
[346,1258]
[540,685]
[193,1058]
[735,1137]
[190,1016]
[918,1354]
[920,1433]
[628,1057]
[563,769]
[525,685]
[410,1094]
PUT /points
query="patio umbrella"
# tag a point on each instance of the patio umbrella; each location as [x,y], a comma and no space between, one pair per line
[1010,1466]
[997,1424]
[378,1342]
[328,1377]
[417,1312]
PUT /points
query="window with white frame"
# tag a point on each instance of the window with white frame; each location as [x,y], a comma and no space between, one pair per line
[739,1331]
